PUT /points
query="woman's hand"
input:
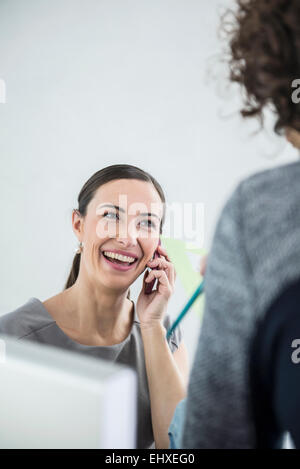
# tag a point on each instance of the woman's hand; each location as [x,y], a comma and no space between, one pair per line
[152,307]
[202,266]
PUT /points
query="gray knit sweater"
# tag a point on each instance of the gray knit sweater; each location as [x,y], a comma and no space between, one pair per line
[255,255]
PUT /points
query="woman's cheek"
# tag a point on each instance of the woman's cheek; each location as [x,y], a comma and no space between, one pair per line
[104,229]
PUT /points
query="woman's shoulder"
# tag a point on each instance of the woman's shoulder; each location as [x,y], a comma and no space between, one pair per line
[277,185]
[262,205]
[271,192]
[24,320]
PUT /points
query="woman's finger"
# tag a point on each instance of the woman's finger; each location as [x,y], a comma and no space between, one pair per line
[162,279]
[165,265]
[164,252]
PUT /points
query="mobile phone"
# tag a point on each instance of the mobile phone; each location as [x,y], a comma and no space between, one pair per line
[149,286]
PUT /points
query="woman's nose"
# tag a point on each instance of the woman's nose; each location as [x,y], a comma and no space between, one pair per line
[127,239]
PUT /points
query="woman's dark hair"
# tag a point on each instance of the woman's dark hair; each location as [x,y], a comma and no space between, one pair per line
[264,57]
[110,173]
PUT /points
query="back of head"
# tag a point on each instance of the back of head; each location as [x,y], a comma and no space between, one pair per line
[264,40]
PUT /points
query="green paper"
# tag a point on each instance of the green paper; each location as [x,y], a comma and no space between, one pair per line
[188,276]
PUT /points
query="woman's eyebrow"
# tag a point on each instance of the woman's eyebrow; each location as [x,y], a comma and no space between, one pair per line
[122,210]
[149,215]
[112,206]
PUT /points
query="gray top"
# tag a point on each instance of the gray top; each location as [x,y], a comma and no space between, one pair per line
[32,321]
[255,256]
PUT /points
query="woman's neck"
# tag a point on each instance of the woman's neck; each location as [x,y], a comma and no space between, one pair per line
[92,315]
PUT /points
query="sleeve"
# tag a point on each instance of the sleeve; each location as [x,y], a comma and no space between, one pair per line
[175,428]
[286,368]
[11,324]
[176,336]
[216,409]
[275,371]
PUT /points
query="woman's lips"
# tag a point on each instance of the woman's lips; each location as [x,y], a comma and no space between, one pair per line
[116,266]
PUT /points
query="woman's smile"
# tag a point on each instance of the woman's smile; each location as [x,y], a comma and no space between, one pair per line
[117,264]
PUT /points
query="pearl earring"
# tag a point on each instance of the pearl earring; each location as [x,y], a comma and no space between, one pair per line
[80,248]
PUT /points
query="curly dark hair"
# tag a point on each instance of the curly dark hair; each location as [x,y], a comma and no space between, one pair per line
[264,57]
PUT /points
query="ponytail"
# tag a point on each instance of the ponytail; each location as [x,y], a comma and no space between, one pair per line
[74,271]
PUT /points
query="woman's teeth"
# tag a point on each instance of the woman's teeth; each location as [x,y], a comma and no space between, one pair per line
[119,257]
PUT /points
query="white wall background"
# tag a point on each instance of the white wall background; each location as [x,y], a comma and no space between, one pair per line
[98,82]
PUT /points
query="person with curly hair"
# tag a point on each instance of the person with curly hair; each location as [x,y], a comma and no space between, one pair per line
[244,384]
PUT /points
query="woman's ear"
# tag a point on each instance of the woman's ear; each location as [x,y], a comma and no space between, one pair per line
[77,223]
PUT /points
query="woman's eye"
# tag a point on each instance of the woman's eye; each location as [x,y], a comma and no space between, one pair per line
[152,225]
[114,216]
[110,213]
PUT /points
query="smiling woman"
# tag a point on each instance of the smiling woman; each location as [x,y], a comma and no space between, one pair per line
[109,185]
[118,222]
